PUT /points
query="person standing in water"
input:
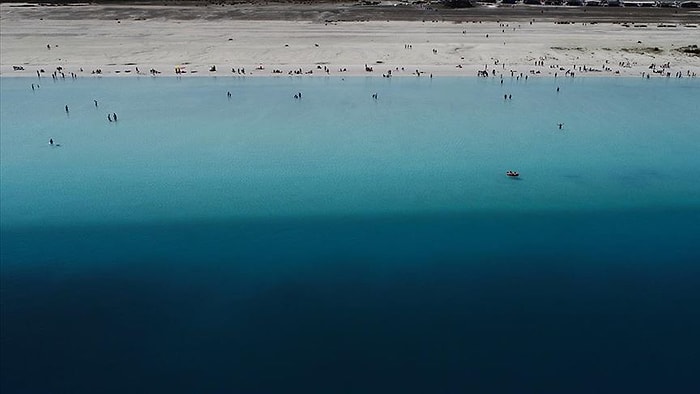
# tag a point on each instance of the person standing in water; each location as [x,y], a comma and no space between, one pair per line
[67,109]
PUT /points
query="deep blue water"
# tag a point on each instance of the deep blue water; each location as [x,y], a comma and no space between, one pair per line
[343,245]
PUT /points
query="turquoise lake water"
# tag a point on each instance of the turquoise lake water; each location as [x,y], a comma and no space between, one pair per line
[338,243]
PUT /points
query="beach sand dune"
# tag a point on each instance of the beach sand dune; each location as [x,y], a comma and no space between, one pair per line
[325,38]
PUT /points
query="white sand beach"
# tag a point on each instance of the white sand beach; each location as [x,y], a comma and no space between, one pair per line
[44,38]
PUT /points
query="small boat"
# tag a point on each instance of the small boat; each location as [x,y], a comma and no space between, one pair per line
[512,173]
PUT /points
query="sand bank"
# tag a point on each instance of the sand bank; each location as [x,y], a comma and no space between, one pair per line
[134,40]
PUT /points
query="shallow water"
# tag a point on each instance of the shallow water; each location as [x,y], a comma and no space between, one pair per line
[338,243]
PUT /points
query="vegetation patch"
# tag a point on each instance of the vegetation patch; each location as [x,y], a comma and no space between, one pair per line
[568,49]
[654,50]
[692,50]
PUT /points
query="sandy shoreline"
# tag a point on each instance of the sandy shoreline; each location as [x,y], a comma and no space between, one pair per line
[146,38]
